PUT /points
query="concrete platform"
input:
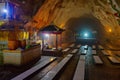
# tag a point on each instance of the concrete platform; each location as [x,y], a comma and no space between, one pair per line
[33,69]
[113,60]
[80,70]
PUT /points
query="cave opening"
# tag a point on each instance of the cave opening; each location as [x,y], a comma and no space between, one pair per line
[84,30]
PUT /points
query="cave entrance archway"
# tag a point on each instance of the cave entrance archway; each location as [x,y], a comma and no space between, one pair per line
[86,29]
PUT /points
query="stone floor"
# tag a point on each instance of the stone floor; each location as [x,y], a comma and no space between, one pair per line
[9,71]
[107,71]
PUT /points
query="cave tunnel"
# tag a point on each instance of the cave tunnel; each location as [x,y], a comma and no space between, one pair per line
[78,17]
[84,30]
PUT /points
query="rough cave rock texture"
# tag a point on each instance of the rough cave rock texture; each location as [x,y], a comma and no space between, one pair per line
[72,14]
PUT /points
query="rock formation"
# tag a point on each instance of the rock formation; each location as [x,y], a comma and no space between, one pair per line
[67,13]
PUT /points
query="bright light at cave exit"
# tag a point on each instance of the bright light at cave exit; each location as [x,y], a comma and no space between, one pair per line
[85,34]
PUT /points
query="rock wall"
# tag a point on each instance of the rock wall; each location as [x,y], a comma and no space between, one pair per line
[63,13]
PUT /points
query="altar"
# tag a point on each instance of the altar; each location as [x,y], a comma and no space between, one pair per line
[21,57]
[51,40]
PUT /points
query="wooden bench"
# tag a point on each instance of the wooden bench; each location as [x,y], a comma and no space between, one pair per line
[78,46]
[97,60]
[54,71]
[74,51]
[80,70]
[105,53]
[94,52]
[113,59]
[30,71]
[65,50]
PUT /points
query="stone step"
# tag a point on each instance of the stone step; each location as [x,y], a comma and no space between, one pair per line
[100,47]
[51,74]
[105,53]
[80,70]
[97,60]
[66,50]
[83,52]
[94,52]
[118,54]
[78,46]
[86,47]
[30,71]
[74,51]
[72,45]
[113,60]
[93,47]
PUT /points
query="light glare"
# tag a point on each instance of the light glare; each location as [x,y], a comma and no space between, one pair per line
[86,34]
[46,35]
[5,11]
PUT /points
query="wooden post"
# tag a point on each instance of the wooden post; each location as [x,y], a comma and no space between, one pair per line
[61,40]
[42,41]
[56,41]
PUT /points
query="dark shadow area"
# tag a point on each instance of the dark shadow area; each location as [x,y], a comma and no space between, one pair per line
[85,29]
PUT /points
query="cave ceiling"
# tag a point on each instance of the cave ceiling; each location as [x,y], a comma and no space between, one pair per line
[102,15]
[118,1]
[60,11]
